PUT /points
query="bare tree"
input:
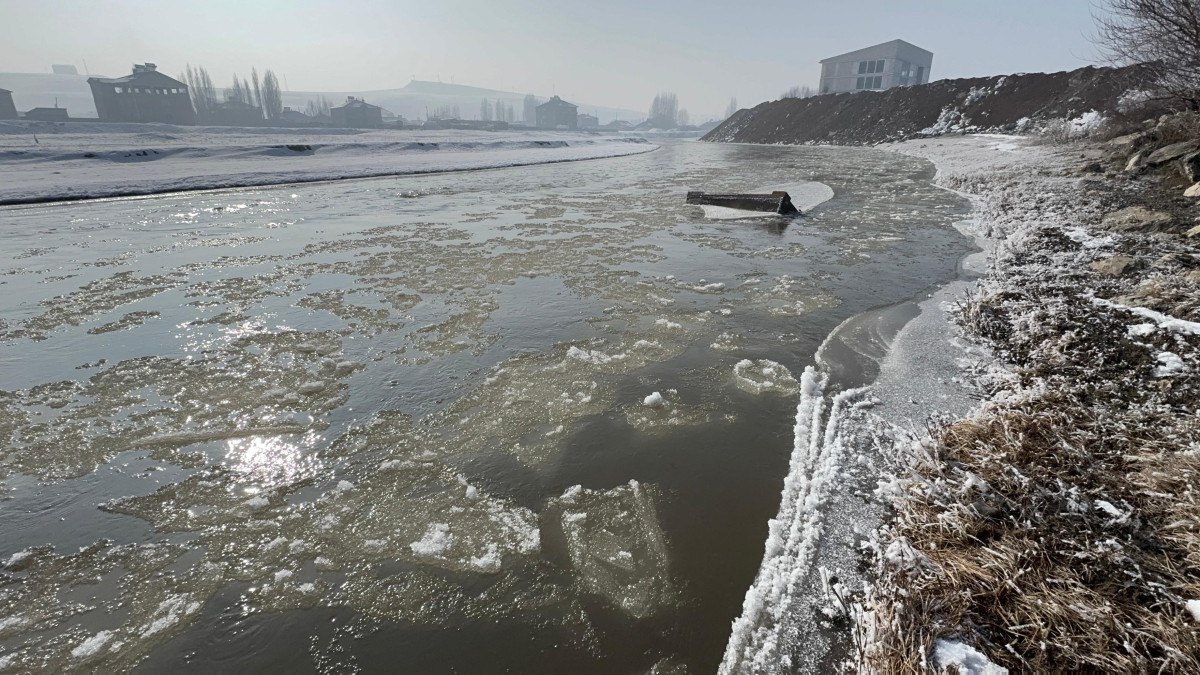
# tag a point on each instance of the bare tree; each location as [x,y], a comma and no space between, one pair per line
[201,90]
[485,111]
[682,118]
[272,98]
[236,93]
[318,107]
[257,88]
[732,108]
[1163,35]
[664,110]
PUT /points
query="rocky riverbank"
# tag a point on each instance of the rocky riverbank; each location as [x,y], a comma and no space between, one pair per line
[1057,528]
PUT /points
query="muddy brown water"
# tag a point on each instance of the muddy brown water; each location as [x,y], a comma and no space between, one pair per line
[339,426]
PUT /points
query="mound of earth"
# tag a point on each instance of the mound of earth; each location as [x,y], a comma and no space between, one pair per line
[867,117]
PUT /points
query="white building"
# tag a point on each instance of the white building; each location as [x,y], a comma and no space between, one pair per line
[891,64]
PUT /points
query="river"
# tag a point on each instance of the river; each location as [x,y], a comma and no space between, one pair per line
[531,419]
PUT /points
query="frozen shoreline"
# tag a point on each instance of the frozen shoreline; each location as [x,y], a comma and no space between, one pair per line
[823,519]
[92,162]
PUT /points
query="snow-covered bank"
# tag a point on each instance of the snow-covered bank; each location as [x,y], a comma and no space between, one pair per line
[82,161]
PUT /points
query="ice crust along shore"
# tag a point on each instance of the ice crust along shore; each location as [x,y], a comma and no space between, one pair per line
[95,162]
[918,377]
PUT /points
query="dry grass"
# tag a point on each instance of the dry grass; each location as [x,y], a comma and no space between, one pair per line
[1018,549]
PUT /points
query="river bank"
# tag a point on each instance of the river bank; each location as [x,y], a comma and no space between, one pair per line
[1054,527]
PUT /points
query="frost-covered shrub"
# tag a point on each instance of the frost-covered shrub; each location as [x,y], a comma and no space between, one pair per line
[1062,130]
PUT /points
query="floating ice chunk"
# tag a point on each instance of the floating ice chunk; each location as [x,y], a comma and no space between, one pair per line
[763,375]
[668,324]
[343,485]
[570,494]
[436,541]
[257,502]
[169,613]
[18,559]
[313,387]
[489,561]
[654,400]
[10,622]
[344,367]
[282,575]
[592,356]
[92,645]
[967,659]
[617,547]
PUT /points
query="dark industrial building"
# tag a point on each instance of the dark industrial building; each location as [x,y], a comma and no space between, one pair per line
[146,95]
[557,114]
[295,118]
[48,115]
[8,109]
[234,113]
[357,114]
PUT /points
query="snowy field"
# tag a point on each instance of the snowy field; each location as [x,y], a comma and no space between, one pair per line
[41,162]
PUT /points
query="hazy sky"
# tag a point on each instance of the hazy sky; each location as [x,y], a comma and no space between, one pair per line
[614,52]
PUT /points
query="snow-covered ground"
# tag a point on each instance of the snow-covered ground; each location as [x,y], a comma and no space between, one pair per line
[92,160]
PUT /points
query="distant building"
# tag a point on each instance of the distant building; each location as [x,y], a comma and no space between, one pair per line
[295,118]
[61,69]
[8,110]
[586,121]
[357,114]
[146,95]
[48,115]
[891,64]
[557,114]
[234,113]
[619,125]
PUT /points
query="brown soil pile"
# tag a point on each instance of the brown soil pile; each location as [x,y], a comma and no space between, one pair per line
[868,117]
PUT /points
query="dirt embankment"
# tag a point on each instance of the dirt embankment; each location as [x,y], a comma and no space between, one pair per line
[867,117]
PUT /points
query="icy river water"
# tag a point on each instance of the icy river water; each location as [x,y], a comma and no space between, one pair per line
[529,420]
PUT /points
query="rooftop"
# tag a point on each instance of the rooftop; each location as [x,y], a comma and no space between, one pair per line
[145,74]
[352,102]
[893,43]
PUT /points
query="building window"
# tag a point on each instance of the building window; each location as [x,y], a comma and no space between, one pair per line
[868,67]
[875,82]
[920,74]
